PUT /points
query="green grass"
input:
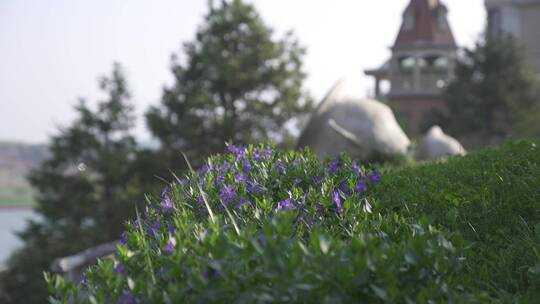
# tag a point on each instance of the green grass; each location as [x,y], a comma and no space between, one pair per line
[492,199]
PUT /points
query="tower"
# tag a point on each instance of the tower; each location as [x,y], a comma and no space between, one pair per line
[422,63]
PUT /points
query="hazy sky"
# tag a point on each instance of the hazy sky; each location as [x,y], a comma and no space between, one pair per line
[53,51]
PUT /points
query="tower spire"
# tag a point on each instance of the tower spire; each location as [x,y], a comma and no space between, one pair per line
[424,23]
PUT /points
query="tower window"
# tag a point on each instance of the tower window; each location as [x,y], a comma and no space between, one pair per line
[406,62]
[441,62]
[494,21]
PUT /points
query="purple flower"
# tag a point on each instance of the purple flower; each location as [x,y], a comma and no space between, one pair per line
[256,155]
[225,166]
[356,168]
[84,280]
[166,205]
[123,238]
[136,224]
[253,186]
[285,205]
[241,202]
[296,162]
[337,200]
[375,177]
[317,180]
[234,149]
[343,187]
[212,271]
[165,192]
[126,298]
[360,187]
[281,167]
[240,178]
[148,211]
[120,269]
[219,178]
[169,248]
[333,167]
[154,228]
[246,167]
[205,168]
[267,152]
[238,151]
[170,228]
[297,181]
[226,194]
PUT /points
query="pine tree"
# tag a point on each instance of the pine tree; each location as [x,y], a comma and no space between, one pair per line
[84,193]
[495,95]
[237,83]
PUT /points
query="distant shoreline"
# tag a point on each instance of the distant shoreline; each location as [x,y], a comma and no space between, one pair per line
[15,208]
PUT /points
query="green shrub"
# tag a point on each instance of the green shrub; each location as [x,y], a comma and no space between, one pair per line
[256,225]
[492,199]
[282,227]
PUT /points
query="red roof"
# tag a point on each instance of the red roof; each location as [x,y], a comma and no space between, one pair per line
[427,25]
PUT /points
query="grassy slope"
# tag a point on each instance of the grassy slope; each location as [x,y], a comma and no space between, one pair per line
[491,198]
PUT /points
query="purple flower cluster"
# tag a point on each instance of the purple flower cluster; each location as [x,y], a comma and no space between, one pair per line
[169,248]
[123,238]
[246,167]
[337,201]
[356,169]
[166,205]
[360,186]
[281,168]
[241,202]
[236,150]
[248,177]
[375,177]
[153,228]
[333,167]
[240,179]
[120,269]
[254,187]
[284,205]
[227,194]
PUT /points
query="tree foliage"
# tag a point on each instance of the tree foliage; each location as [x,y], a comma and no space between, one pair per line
[86,190]
[235,83]
[495,94]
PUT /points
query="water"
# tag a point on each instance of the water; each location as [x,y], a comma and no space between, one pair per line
[12,220]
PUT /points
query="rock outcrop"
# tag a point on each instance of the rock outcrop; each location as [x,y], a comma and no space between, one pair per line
[360,127]
[437,145]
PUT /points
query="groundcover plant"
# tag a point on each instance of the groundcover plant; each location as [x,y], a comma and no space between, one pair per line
[257,225]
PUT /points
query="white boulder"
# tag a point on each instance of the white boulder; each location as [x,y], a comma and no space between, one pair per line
[347,123]
[436,145]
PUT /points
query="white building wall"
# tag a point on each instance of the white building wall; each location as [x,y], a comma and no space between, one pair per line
[520,18]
